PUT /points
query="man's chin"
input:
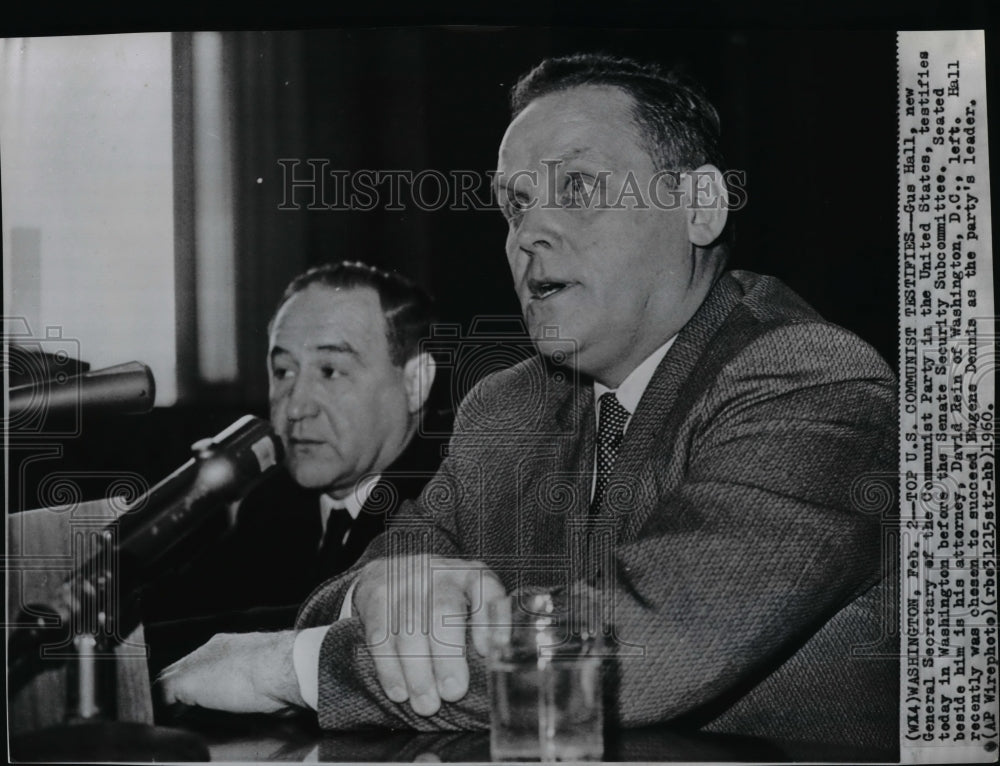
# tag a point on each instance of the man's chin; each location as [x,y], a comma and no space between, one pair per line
[311,479]
[560,351]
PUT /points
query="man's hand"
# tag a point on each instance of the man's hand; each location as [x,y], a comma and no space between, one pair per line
[236,672]
[415,610]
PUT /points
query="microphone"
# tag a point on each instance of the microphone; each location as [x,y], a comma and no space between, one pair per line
[150,536]
[124,388]
[223,469]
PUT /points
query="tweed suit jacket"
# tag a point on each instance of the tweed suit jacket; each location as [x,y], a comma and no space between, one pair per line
[743,575]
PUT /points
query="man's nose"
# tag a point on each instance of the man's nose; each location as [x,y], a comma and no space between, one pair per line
[538,229]
[301,401]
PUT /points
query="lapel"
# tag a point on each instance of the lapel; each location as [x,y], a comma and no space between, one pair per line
[575,451]
[278,521]
[370,522]
[553,483]
[403,480]
[648,444]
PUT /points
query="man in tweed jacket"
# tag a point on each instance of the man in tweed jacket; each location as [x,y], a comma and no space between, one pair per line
[739,572]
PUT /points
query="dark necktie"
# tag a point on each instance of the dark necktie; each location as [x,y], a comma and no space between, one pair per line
[610,431]
[331,549]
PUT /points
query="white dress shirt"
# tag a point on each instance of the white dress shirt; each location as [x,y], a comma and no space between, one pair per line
[352,502]
[308,642]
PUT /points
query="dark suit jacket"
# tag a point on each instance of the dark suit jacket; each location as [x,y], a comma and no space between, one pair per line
[257,576]
[742,542]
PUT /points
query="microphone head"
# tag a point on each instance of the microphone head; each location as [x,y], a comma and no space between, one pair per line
[223,469]
[125,388]
[251,448]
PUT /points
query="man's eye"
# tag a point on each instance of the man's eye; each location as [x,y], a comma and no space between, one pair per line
[513,207]
[509,210]
[578,189]
[281,373]
[329,372]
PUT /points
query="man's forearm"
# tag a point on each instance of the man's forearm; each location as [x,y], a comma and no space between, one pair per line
[238,673]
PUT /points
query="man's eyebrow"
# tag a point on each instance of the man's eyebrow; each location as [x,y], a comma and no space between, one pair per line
[337,348]
[278,351]
[576,152]
[502,188]
[572,154]
[328,348]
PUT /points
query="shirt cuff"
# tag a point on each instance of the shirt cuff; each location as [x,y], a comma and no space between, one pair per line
[305,652]
[347,608]
[305,658]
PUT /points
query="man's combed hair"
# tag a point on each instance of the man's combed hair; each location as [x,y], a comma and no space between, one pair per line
[677,122]
[409,310]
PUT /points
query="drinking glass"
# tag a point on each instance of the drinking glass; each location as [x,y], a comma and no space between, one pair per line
[545,678]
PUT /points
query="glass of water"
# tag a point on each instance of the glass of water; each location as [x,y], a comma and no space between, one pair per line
[545,678]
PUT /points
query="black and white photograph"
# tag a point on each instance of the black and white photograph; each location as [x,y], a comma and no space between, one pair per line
[414,390]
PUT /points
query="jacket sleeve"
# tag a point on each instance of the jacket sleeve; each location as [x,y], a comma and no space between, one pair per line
[350,696]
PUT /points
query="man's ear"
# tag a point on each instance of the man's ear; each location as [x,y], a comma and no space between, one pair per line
[418,377]
[708,205]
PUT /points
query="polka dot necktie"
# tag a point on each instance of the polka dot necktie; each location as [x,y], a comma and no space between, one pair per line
[610,430]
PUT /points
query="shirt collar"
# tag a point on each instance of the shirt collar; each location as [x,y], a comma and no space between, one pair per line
[632,388]
[352,502]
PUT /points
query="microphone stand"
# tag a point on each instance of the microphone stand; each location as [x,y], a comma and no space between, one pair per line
[92,731]
[97,614]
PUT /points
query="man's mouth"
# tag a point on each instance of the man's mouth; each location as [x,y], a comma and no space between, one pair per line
[301,441]
[540,289]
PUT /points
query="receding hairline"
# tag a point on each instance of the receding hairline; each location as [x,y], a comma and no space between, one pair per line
[335,289]
[641,133]
[565,88]
[330,289]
